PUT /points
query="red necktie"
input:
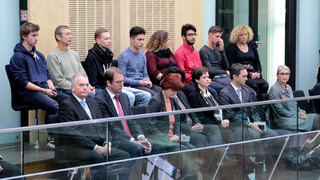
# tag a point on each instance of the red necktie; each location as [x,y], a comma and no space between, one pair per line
[124,122]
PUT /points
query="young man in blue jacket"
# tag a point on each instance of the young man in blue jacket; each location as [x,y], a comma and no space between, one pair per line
[28,67]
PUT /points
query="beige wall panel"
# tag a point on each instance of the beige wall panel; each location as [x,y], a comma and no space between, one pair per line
[48,14]
[118,16]
[124,25]
[189,11]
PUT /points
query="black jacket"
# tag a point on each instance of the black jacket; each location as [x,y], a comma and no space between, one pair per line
[160,124]
[196,100]
[85,136]
[97,61]
[108,110]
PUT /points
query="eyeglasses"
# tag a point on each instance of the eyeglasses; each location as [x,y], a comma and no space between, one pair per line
[68,34]
[284,74]
[191,34]
[119,82]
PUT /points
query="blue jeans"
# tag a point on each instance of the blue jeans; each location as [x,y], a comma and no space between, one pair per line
[135,94]
[216,86]
[43,101]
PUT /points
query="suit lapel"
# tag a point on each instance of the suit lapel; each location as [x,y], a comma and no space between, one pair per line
[123,104]
[110,104]
[90,106]
[79,108]
[235,95]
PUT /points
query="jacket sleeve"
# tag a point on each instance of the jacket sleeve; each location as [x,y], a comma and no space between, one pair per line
[257,59]
[231,54]
[145,70]
[181,60]
[206,62]
[67,114]
[280,108]
[19,71]
[225,62]
[153,106]
[116,132]
[224,99]
[152,64]
[91,69]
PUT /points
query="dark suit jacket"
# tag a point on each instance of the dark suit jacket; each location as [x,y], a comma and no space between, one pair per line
[86,136]
[229,96]
[108,110]
[196,100]
[185,102]
[160,124]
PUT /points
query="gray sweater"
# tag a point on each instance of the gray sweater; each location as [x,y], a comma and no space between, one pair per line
[134,67]
[215,60]
[285,114]
[62,66]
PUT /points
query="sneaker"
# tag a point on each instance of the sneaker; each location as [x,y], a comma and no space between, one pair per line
[51,143]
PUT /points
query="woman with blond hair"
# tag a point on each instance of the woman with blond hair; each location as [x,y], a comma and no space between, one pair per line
[159,56]
[241,50]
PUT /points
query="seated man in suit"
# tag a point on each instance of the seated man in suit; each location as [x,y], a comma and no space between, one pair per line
[238,92]
[85,143]
[243,121]
[127,135]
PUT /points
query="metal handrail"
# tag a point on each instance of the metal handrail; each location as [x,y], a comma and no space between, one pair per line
[165,154]
[149,115]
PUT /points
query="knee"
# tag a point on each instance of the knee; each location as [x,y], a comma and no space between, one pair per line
[265,87]
[146,96]
[53,108]
[255,87]
[96,158]
[137,151]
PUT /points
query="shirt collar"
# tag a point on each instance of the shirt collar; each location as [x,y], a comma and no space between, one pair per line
[188,47]
[135,53]
[78,97]
[284,91]
[110,93]
[234,87]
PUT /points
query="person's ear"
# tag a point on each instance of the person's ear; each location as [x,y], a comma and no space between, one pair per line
[183,38]
[98,41]
[108,83]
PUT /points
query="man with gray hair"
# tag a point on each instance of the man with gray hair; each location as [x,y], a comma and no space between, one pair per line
[88,141]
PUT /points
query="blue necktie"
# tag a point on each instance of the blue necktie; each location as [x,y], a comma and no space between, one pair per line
[239,94]
[84,104]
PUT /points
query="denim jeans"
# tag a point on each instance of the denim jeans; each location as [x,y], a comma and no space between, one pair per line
[43,101]
[135,94]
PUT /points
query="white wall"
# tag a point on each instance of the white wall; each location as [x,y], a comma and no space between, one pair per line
[9,18]
[209,14]
[276,38]
[308,43]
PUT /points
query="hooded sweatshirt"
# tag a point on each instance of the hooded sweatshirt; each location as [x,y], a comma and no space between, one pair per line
[28,66]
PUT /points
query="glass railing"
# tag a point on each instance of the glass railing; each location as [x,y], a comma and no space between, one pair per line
[226,142]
